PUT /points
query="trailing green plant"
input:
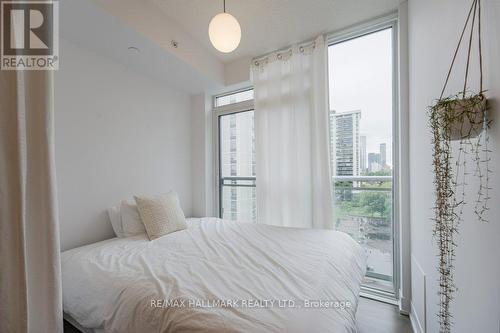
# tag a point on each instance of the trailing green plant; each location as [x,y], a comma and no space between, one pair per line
[450,181]
[459,127]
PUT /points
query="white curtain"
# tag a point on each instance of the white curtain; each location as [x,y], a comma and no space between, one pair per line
[292,138]
[30,283]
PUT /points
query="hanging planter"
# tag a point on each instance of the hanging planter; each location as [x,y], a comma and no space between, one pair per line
[461,118]
[466,116]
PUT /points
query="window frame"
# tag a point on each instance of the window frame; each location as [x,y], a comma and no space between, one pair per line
[217,112]
[389,22]
[228,93]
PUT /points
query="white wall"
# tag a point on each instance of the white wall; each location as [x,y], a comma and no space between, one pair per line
[404,175]
[202,173]
[434,28]
[118,133]
[237,71]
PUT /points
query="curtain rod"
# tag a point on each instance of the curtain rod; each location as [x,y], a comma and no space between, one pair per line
[288,48]
[360,26]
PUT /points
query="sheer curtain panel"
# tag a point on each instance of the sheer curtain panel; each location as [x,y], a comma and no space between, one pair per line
[292,138]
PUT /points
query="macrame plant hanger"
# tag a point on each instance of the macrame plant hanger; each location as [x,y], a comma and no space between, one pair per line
[474,9]
[446,242]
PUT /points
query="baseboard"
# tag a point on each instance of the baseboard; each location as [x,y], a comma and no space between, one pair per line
[415,322]
[404,306]
[379,298]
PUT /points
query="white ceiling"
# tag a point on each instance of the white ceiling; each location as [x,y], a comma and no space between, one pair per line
[111,37]
[268,25]
[195,66]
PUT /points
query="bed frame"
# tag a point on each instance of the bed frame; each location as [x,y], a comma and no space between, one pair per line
[73,322]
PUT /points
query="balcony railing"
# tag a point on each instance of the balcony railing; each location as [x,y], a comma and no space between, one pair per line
[238,181]
[237,198]
[372,179]
[363,209]
[362,178]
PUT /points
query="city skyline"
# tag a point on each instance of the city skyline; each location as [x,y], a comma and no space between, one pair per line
[358,82]
[349,155]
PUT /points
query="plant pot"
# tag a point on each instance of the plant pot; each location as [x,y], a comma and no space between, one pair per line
[467,114]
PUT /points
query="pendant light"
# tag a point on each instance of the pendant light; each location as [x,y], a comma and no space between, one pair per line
[224,31]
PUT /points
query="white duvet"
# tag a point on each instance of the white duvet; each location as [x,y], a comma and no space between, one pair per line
[217,276]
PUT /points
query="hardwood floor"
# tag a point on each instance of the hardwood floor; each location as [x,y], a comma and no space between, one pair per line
[378,317]
[371,317]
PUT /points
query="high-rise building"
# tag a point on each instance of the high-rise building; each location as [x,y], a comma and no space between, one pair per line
[374,162]
[238,160]
[362,153]
[383,156]
[344,143]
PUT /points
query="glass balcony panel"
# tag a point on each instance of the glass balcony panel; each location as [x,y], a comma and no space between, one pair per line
[363,209]
[238,200]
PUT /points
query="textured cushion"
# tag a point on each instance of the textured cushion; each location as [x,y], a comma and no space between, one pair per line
[161,214]
[131,220]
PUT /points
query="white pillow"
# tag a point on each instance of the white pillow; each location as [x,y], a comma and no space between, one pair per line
[116,220]
[161,214]
[131,220]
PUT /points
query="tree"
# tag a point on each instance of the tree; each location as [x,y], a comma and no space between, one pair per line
[373,203]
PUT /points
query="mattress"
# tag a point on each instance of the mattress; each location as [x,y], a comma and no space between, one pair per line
[216,276]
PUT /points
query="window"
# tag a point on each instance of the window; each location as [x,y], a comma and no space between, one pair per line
[236,156]
[363,150]
[240,96]
[361,71]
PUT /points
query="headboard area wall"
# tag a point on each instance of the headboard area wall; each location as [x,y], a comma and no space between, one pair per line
[117,133]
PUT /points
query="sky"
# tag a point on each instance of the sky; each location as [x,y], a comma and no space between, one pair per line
[360,78]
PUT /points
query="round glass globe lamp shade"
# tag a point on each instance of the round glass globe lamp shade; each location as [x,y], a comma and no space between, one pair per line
[224,32]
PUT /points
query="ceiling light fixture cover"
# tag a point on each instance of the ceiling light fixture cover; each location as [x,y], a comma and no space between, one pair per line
[224,32]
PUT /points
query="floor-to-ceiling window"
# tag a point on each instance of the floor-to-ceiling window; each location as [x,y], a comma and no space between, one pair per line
[236,156]
[363,142]
[361,72]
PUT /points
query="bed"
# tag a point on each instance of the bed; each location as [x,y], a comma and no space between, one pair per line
[216,276]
